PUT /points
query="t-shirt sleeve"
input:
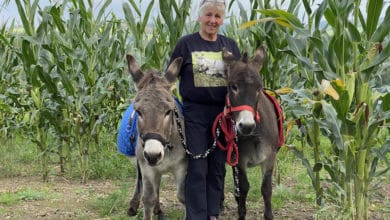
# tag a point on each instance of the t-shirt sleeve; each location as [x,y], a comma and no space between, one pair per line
[236,51]
[176,51]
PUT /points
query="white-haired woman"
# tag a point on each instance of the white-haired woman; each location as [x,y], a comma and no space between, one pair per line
[203,93]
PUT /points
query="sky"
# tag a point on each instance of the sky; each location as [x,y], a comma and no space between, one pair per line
[8,13]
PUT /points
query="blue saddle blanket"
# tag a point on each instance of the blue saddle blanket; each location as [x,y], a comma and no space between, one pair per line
[127,132]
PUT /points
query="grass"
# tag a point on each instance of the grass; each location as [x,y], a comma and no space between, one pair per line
[292,188]
[292,185]
[18,156]
[27,194]
[113,204]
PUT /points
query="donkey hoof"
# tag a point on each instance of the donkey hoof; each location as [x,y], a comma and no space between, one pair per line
[241,218]
[132,211]
[161,216]
[269,217]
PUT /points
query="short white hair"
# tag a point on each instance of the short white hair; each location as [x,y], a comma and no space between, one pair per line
[219,4]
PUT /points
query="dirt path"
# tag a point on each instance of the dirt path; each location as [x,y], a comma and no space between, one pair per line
[59,199]
[65,199]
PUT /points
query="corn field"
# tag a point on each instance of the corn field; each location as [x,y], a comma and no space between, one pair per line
[64,82]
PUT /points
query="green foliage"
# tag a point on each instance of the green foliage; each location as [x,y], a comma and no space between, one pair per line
[11,198]
[113,203]
[64,78]
[64,86]
[17,157]
[116,203]
[8,198]
[339,60]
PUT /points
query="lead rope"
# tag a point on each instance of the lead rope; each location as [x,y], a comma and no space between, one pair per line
[236,181]
[216,134]
[183,142]
[227,124]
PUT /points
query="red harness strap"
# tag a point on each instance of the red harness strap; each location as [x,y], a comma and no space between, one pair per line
[229,109]
[279,113]
[227,127]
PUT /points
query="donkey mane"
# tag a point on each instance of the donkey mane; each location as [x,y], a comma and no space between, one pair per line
[243,71]
[151,88]
[152,77]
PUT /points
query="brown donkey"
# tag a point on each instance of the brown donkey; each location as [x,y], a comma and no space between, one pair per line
[160,127]
[255,121]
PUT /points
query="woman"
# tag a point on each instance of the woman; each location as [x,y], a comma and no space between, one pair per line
[203,89]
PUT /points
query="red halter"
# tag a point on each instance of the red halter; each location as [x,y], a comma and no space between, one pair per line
[227,127]
[229,109]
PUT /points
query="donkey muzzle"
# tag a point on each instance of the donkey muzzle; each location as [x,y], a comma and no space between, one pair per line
[245,123]
[153,148]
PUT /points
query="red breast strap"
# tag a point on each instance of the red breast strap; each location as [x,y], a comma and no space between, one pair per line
[280,117]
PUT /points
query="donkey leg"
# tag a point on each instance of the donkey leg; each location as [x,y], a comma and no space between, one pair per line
[151,185]
[266,191]
[180,176]
[157,209]
[243,186]
[134,202]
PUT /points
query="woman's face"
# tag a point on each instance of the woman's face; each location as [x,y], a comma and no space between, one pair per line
[210,21]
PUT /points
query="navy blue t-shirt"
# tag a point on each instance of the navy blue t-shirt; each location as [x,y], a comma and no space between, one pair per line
[202,79]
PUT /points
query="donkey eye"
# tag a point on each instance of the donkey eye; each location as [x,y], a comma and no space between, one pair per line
[233,88]
[138,113]
[168,113]
[167,116]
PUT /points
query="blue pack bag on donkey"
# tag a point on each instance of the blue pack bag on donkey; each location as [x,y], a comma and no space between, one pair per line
[127,132]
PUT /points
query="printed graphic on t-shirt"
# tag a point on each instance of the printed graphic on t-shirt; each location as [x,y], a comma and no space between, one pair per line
[209,69]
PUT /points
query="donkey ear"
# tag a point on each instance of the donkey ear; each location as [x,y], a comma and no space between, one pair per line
[134,69]
[227,56]
[258,58]
[173,70]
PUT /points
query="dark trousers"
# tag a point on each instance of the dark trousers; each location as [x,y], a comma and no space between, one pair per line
[205,177]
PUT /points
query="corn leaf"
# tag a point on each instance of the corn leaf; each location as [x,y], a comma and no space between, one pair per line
[282,15]
[332,123]
[383,29]
[23,17]
[56,15]
[254,22]
[373,12]
[147,16]
[103,9]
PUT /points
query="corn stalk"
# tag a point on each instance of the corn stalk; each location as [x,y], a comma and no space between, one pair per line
[339,60]
[75,78]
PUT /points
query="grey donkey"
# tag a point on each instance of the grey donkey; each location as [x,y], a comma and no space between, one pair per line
[160,127]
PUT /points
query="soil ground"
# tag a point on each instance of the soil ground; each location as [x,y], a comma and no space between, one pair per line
[70,199]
